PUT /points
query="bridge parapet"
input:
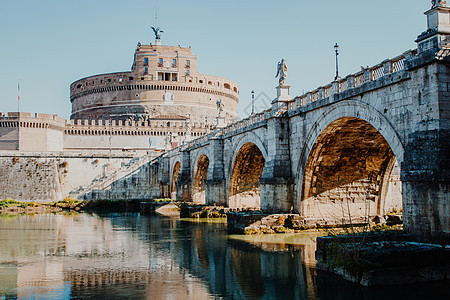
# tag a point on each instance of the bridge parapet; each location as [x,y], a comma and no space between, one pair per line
[355,80]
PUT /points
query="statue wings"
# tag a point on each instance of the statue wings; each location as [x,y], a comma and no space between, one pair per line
[278,69]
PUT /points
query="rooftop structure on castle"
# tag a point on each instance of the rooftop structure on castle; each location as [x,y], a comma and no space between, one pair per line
[163,84]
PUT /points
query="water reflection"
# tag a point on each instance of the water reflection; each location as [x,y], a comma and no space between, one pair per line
[137,257]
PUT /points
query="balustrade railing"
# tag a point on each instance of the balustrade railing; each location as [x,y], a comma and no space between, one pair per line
[352,81]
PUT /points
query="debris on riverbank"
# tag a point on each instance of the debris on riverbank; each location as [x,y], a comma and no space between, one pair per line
[190,210]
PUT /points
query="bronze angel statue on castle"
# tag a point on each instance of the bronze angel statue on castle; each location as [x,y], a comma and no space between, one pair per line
[436,3]
[157,32]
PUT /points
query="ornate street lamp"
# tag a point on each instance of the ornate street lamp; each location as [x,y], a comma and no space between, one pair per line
[336,50]
[253,102]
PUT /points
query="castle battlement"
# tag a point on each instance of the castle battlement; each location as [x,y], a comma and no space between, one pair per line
[135,124]
[28,120]
[133,128]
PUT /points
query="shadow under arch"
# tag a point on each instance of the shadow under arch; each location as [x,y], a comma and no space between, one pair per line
[350,152]
[200,175]
[174,177]
[245,172]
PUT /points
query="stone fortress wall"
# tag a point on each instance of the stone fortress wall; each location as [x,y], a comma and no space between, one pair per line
[130,135]
[43,132]
[25,132]
[163,81]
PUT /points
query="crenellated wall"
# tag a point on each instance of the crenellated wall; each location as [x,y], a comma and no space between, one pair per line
[42,132]
[25,132]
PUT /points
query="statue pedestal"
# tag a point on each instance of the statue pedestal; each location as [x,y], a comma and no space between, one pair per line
[187,137]
[282,97]
[221,122]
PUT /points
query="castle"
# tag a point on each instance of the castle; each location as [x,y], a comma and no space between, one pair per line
[162,102]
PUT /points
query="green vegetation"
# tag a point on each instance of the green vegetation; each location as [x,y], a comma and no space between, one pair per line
[164,200]
[8,202]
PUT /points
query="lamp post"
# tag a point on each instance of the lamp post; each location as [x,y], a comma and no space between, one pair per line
[253,102]
[336,50]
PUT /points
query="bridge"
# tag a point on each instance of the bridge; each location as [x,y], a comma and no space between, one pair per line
[363,145]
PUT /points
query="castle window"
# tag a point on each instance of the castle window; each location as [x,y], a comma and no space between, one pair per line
[109,80]
[146,71]
[209,82]
[200,81]
[174,77]
[174,62]
[188,72]
[188,63]
[145,61]
[160,62]
[218,83]
[227,86]
[130,78]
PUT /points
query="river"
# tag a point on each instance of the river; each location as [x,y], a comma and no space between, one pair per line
[130,256]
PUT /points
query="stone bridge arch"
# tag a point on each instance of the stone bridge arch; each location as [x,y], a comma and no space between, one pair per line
[349,155]
[244,171]
[199,175]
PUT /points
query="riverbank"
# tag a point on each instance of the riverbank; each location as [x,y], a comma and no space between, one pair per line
[379,258]
[13,207]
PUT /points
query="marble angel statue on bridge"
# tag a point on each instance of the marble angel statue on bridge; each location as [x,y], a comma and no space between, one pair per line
[219,104]
[281,72]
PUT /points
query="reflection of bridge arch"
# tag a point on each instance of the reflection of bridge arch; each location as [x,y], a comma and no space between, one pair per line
[348,158]
[246,170]
[200,175]
[173,179]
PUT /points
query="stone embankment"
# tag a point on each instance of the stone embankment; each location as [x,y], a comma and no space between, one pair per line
[256,222]
[375,259]
[52,176]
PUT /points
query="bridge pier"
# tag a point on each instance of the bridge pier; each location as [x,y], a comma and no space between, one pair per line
[276,182]
[425,186]
[184,181]
[215,185]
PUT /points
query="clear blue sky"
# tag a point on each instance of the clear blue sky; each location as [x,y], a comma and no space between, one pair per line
[48,44]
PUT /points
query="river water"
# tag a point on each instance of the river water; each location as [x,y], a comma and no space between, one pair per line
[129,256]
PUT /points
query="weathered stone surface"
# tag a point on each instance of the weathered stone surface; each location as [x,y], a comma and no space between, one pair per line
[44,176]
[382,259]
